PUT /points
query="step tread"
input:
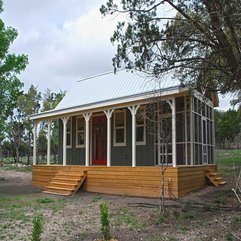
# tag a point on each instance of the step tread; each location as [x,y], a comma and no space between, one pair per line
[59,188]
[69,179]
[213,174]
[57,193]
[62,183]
[70,173]
[68,176]
[222,183]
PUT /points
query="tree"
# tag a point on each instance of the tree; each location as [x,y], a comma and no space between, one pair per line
[200,40]
[227,126]
[15,132]
[50,101]
[28,104]
[10,66]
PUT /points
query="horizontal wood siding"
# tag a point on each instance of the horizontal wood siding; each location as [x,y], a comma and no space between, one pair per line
[192,178]
[131,181]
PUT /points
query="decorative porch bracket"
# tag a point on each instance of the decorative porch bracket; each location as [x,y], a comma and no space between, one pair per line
[35,127]
[87,138]
[172,104]
[64,120]
[108,114]
[49,142]
[133,109]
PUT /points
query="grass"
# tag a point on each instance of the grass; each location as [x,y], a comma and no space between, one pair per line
[19,210]
[96,198]
[124,216]
[228,160]
[9,167]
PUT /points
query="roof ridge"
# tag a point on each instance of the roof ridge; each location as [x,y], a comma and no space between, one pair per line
[99,75]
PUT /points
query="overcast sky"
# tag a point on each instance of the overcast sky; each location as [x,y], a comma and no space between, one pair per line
[65,40]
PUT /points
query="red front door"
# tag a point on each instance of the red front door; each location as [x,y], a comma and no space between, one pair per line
[99,140]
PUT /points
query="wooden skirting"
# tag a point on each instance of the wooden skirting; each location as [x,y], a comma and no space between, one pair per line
[132,181]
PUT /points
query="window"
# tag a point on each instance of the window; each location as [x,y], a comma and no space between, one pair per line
[120,128]
[80,131]
[69,133]
[141,127]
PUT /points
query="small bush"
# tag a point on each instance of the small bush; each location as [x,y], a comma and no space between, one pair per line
[96,198]
[104,220]
[37,228]
[44,200]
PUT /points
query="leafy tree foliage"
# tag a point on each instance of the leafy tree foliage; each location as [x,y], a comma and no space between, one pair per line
[200,40]
[50,101]
[10,66]
[27,104]
[15,132]
[19,126]
[228,126]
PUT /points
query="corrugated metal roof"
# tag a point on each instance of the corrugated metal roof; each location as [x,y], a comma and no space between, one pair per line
[112,86]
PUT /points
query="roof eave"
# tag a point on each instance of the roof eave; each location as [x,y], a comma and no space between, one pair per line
[107,103]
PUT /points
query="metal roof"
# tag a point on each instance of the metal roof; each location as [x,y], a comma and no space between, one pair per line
[109,88]
[112,86]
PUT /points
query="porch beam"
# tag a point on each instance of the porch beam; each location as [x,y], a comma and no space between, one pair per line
[172,104]
[49,142]
[87,138]
[35,127]
[108,114]
[64,120]
[133,109]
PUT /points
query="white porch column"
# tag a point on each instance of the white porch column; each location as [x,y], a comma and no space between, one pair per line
[172,104]
[64,120]
[108,114]
[35,126]
[49,142]
[133,109]
[87,138]
[191,131]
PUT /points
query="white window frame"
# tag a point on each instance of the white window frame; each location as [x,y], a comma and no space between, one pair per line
[143,110]
[69,132]
[114,141]
[78,131]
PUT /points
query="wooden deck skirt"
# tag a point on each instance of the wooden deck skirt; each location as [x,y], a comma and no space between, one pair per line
[131,181]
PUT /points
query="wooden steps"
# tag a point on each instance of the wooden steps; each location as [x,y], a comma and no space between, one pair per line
[215,178]
[65,182]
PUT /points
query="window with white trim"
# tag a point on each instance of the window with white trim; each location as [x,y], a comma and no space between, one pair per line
[80,132]
[141,126]
[69,133]
[120,128]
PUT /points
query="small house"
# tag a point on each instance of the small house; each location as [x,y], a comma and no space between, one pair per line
[120,133]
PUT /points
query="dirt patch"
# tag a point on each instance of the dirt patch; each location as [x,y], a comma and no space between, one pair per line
[195,217]
[14,183]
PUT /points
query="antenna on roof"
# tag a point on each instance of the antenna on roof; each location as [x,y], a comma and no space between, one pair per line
[98,75]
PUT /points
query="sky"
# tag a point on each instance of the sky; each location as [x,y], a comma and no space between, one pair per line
[65,40]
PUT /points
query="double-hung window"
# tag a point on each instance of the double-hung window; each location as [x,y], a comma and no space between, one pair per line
[80,137]
[69,133]
[120,128]
[141,127]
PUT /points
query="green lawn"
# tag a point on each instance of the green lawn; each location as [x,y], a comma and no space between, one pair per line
[228,161]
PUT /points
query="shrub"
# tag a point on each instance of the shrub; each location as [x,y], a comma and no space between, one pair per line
[104,220]
[37,228]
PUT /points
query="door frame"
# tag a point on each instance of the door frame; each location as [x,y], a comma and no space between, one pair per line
[91,138]
[204,145]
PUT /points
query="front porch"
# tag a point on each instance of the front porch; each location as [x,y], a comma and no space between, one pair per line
[131,181]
